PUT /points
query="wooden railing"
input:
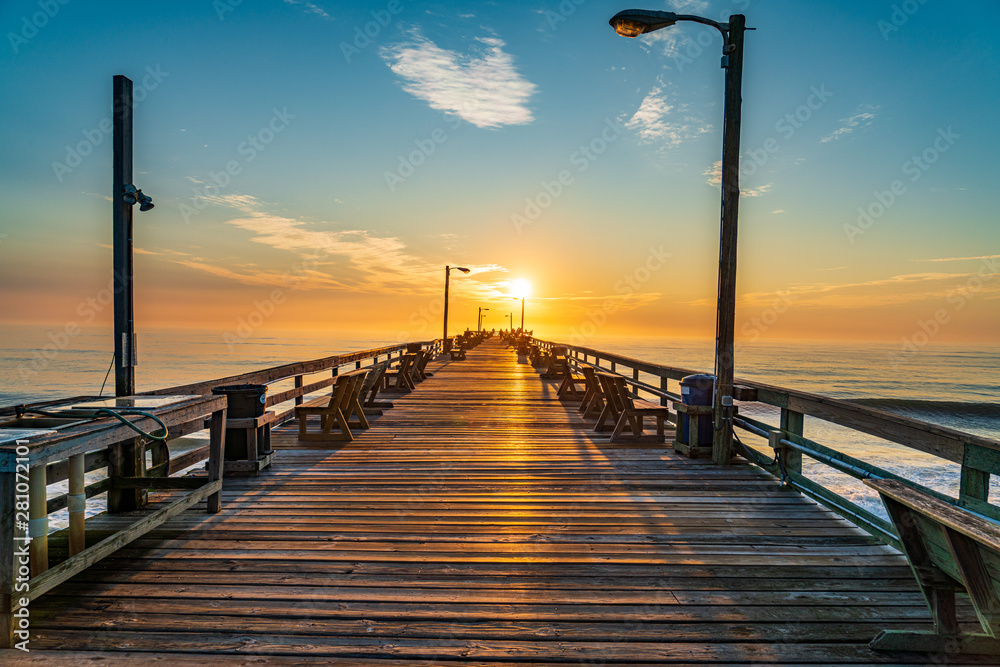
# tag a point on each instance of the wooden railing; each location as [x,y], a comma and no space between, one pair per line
[95,445]
[298,372]
[28,467]
[977,456]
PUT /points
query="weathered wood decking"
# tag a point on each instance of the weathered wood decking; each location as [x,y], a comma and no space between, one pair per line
[480,520]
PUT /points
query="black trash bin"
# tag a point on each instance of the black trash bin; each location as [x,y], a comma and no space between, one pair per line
[697,390]
[245,401]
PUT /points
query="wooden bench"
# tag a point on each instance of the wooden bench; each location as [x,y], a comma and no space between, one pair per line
[457,351]
[568,379]
[949,549]
[593,397]
[398,378]
[370,389]
[334,409]
[629,412]
[420,359]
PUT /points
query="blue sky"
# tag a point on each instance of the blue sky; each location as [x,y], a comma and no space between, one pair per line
[359,168]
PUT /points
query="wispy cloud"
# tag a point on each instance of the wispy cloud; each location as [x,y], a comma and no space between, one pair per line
[310,8]
[135,249]
[660,122]
[482,87]
[959,259]
[714,175]
[885,292]
[864,117]
[688,6]
[330,258]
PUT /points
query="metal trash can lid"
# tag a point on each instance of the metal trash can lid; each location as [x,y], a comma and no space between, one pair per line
[704,380]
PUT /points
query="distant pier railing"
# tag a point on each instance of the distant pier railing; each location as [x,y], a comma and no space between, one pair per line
[977,456]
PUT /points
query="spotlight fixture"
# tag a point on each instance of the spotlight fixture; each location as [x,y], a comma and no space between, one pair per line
[131,196]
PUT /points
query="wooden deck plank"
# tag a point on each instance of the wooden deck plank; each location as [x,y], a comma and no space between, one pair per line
[480,521]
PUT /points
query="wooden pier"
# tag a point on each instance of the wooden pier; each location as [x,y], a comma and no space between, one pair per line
[481,521]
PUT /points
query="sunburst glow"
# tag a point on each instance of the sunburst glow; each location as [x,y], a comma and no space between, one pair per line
[520,288]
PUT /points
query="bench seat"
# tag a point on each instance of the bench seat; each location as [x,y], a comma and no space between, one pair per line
[949,549]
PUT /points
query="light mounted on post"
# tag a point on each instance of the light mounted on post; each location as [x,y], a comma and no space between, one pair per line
[634,22]
[133,195]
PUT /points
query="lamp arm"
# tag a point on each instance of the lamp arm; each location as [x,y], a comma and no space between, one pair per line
[721,27]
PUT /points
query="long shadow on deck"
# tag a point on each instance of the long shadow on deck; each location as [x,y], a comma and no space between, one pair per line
[481,520]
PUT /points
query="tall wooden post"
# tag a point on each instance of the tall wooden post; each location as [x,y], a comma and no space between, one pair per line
[444,334]
[122,238]
[125,459]
[722,442]
[522,313]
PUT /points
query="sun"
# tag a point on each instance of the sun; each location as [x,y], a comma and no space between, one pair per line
[520,288]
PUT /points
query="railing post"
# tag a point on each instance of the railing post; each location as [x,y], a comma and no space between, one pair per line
[77,501]
[635,377]
[664,387]
[38,520]
[298,385]
[974,484]
[792,422]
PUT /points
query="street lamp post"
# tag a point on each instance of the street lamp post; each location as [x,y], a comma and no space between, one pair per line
[479,322]
[447,277]
[632,23]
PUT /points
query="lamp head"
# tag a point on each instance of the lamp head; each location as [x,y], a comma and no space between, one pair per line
[131,196]
[145,201]
[635,22]
[463,269]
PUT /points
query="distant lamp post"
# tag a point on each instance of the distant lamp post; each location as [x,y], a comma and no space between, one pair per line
[447,277]
[635,22]
[479,322]
[521,289]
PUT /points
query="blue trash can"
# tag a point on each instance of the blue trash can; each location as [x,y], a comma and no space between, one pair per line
[697,390]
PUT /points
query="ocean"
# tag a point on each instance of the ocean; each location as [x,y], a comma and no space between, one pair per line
[957,386]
